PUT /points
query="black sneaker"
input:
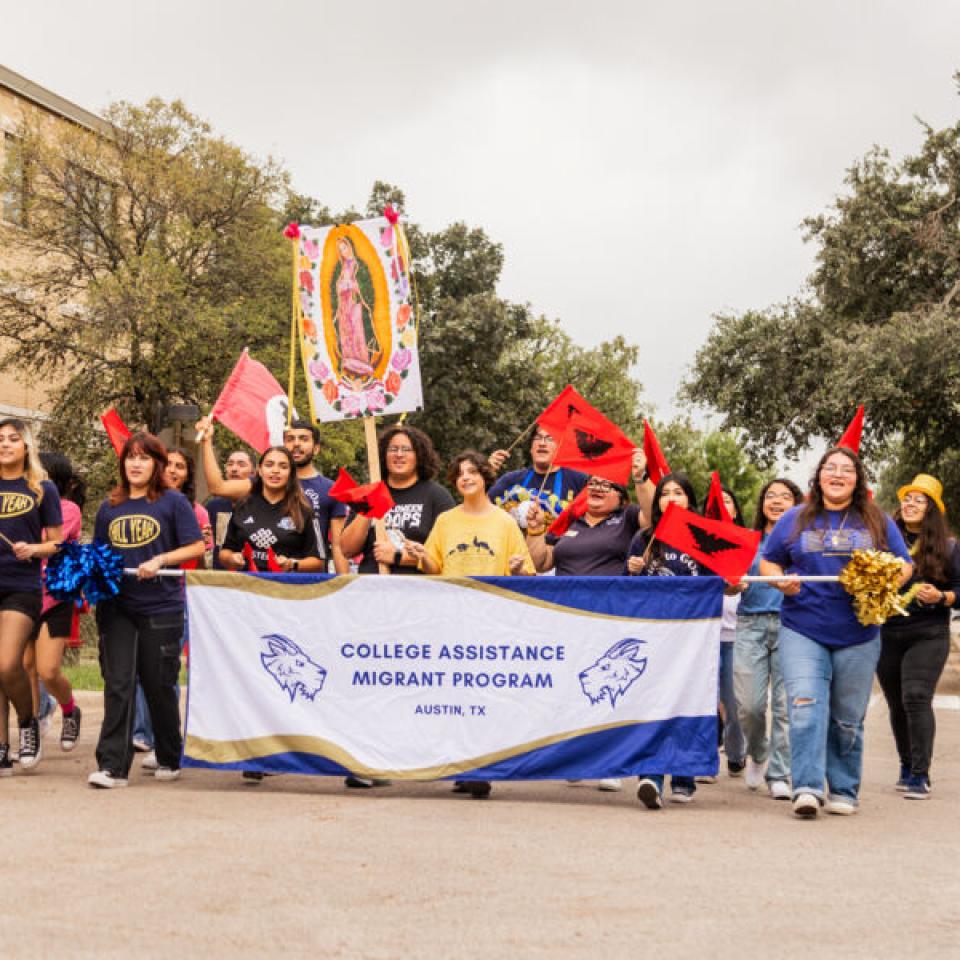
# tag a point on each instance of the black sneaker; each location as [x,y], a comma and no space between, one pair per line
[904,782]
[253,777]
[30,747]
[460,786]
[479,789]
[6,764]
[70,731]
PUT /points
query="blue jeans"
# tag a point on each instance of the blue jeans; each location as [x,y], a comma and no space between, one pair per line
[828,691]
[142,725]
[733,742]
[757,679]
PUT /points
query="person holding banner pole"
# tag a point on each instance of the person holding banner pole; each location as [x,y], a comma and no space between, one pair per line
[648,557]
[828,657]
[239,465]
[757,676]
[152,527]
[29,511]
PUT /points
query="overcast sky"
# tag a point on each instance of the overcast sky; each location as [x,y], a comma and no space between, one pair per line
[645,165]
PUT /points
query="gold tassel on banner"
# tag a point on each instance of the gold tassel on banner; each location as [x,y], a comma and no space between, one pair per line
[872,578]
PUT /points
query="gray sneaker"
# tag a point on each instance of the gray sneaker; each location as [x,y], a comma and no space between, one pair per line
[70,731]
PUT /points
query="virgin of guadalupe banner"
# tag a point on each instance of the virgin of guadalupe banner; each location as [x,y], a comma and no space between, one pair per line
[358,332]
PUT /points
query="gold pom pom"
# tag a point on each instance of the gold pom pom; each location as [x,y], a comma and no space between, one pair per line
[872,578]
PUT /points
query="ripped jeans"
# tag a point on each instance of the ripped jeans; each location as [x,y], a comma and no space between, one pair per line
[828,691]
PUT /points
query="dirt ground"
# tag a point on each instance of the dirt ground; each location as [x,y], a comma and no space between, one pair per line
[209,867]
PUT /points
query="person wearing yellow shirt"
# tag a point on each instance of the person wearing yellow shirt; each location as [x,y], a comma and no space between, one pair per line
[475,539]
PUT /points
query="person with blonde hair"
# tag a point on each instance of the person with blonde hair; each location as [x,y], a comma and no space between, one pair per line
[29,511]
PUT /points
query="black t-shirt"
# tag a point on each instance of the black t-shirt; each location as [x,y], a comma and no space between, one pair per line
[263,525]
[140,529]
[414,513]
[23,519]
[219,509]
[595,551]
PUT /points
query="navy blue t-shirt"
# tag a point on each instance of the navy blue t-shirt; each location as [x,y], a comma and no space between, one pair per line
[824,611]
[139,530]
[23,519]
[325,508]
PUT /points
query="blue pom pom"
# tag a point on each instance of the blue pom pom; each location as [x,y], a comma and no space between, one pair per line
[104,574]
[66,572]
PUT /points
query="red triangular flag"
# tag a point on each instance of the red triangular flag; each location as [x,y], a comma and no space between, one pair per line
[715,508]
[371,499]
[724,548]
[247,552]
[657,466]
[853,433]
[117,430]
[596,446]
[272,565]
[252,404]
[576,509]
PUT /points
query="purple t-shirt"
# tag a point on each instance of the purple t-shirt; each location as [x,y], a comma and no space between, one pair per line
[23,519]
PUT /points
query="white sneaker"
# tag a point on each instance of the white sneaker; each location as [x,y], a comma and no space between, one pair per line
[167,774]
[806,806]
[610,785]
[755,774]
[105,780]
[841,807]
[149,762]
[779,789]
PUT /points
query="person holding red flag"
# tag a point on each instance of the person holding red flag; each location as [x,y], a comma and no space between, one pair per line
[828,656]
[650,557]
[411,467]
[275,519]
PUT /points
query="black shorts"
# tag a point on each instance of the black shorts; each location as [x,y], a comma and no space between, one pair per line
[23,602]
[59,619]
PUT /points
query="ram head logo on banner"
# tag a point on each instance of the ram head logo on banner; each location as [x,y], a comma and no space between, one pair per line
[358,329]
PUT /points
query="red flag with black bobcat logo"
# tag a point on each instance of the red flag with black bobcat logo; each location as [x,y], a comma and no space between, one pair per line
[371,499]
[724,548]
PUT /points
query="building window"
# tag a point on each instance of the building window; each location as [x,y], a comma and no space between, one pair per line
[14,181]
[91,204]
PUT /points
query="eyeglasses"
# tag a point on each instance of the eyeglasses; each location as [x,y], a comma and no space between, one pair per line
[601,486]
[831,469]
[542,438]
[399,449]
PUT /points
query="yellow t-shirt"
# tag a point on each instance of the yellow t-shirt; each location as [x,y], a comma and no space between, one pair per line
[476,545]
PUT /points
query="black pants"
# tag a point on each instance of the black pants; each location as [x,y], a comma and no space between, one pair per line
[911,662]
[144,648]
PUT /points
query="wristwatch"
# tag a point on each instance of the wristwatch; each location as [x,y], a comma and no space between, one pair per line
[397,557]
[294,565]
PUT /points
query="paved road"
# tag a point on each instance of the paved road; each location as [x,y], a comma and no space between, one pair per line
[209,867]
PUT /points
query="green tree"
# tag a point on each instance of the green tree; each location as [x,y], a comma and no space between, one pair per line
[879,323]
[698,453]
[150,257]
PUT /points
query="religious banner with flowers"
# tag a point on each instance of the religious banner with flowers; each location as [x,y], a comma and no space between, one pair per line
[357,326]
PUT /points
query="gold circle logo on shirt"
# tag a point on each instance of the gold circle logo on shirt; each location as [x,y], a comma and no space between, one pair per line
[135,530]
[15,504]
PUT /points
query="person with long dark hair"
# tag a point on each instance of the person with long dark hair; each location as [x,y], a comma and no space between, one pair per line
[914,648]
[757,676]
[56,623]
[276,518]
[828,657]
[650,557]
[152,527]
[30,526]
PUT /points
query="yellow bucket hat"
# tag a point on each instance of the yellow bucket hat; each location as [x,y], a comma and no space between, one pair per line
[929,486]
